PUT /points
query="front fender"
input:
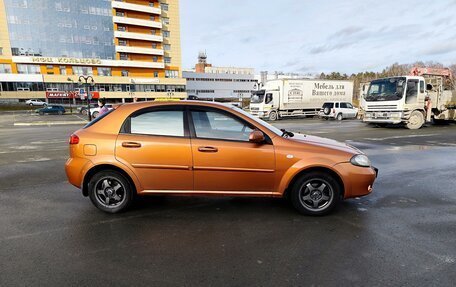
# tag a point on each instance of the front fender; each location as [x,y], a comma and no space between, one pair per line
[306,164]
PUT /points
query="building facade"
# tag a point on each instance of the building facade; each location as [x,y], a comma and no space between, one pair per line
[131,48]
[219,83]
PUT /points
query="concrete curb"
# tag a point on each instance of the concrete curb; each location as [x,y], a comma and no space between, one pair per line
[51,123]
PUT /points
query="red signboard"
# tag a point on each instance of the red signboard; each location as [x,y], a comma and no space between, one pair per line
[69,95]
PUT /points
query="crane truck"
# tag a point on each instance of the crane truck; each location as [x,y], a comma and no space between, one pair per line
[425,95]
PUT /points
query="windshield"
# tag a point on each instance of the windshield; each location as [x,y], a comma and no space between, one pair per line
[261,122]
[391,89]
[257,97]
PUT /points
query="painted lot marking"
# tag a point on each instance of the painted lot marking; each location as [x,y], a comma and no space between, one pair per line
[51,123]
[399,137]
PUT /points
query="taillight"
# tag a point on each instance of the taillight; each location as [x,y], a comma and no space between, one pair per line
[334,111]
[74,139]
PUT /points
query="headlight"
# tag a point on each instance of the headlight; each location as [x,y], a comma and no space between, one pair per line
[360,160]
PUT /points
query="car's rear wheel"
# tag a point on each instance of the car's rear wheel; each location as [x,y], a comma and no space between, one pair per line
[315,193]
[340,117]
[110,191]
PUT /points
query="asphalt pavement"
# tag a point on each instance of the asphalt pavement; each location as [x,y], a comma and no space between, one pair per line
[403,234]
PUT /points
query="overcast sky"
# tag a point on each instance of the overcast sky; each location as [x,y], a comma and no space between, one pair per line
[318,36]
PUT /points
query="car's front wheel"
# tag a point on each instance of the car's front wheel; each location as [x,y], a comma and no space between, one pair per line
[315,193]
[95,114]
[110,191]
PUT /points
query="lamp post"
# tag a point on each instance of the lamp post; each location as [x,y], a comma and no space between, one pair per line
[87,81]
[71,94]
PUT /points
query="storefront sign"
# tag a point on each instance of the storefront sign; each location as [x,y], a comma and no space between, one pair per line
[69,95]
[62,60]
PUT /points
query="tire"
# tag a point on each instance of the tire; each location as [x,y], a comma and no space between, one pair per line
[84,112]
[415,121]
[340,117]
[326,111]
[60,113]
[95,114]
[104,195]
[31,105]
[273,116]
[315,193]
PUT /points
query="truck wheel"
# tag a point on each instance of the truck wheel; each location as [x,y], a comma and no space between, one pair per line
[339,117]
[273,116]
[416,120]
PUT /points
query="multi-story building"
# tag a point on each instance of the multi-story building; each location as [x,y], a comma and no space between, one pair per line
[131,48]
[219,83]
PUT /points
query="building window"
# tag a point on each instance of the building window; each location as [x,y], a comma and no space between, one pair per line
[62,70]
[155,58]
[165,20]
[28,69]
[153,32]
[167,60]
[124,73]
[154,45]
[166,34]
[152,18]
[122,42]
[166,47]
[121,28]
[151,4]
[164,6]
[1,50]
[123,56]
[5,69]
[82,70]
[104,72]
[155,74]
[171,74]
[120,13]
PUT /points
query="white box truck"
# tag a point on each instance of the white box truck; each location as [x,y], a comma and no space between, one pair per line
[290,97]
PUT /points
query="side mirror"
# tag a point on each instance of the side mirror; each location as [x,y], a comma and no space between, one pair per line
[256,137]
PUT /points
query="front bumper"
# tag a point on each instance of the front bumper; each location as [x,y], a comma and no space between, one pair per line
[358,181]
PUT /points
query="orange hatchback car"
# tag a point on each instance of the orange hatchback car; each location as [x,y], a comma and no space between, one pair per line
[203,148]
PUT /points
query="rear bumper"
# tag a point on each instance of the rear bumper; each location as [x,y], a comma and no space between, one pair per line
[75,169]
[358,181]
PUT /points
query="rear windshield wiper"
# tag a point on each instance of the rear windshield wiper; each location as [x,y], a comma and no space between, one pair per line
[286,133]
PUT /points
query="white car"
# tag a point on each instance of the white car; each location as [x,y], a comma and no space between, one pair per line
[36,103]
[338,110]
[96,111]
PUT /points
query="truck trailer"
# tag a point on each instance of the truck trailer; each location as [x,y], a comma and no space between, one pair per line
[423,96]
[291,97]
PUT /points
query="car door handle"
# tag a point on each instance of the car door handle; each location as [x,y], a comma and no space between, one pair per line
[207,149]
[131,144]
